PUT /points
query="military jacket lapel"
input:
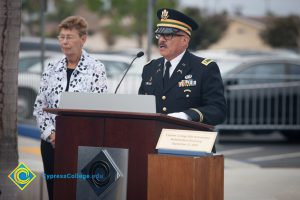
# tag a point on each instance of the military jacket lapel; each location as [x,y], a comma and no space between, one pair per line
[158,74]
[180,71]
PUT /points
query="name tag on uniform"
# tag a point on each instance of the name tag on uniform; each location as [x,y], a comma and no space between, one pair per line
[187,83]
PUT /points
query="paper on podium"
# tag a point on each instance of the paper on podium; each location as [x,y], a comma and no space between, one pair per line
[108,102]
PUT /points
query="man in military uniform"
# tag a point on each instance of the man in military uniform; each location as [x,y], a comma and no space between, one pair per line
[185,86]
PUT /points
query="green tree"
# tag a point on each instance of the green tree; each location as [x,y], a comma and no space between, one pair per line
[135,11]
[31,5]
[211,28]
[64,8]
[31,10]
[31,15]
[127,16]
[10,23]
[283,32]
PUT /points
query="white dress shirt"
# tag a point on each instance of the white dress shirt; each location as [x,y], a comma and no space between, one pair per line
[174,63]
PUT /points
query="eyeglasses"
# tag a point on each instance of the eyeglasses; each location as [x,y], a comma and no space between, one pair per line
[65,37]
[167,36]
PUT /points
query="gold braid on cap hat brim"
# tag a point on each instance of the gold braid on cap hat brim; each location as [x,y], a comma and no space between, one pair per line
[175,24]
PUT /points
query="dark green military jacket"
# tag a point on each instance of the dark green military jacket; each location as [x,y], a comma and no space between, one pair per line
[195,88]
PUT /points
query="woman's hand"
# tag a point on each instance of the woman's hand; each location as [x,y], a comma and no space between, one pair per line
[52,139]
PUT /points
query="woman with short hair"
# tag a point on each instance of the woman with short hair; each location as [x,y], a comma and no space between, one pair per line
[77,71]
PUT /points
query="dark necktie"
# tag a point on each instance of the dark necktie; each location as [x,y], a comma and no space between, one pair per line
[167,73]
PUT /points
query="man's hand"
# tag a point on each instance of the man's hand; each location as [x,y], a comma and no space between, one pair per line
[180,115]
[52,139]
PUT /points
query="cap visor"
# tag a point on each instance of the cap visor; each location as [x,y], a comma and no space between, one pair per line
[166,30]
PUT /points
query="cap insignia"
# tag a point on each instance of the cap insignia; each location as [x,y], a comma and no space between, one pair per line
[164,14]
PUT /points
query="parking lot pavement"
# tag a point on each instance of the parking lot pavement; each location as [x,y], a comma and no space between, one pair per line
[261,184]
[261,170]
[247,181]
[29,153]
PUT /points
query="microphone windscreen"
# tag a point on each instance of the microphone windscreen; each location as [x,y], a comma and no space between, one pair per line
[140,54]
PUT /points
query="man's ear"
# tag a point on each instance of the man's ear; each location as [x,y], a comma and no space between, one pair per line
[186,39]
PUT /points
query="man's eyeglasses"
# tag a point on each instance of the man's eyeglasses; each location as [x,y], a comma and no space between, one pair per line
[65,37]
[167,36]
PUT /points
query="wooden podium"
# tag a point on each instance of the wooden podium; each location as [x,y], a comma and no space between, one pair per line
[137,132]
[173,177]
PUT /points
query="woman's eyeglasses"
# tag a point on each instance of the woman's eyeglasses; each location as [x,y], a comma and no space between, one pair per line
[65,37]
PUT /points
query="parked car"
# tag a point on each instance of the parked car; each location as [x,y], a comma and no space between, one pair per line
[30,70]
[262,93]
[229,59]
[34,44]
[28,80]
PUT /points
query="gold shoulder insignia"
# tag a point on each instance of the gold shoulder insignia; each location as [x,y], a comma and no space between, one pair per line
[206,61]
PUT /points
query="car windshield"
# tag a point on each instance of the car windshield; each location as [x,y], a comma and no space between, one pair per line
[226,65]
[114,68]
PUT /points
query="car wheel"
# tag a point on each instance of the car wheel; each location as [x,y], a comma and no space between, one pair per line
[25,105]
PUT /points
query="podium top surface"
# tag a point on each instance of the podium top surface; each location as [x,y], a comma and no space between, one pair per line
[129,115]
[109,102]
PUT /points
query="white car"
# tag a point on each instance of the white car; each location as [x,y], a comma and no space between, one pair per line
[28,81]
[30,71]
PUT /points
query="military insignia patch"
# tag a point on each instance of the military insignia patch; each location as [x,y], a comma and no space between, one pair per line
[180,71]
[187,83]
[206,61]
[187,92]
[188,76]
[164,14]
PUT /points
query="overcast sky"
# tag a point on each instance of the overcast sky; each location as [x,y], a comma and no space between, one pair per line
[248,7]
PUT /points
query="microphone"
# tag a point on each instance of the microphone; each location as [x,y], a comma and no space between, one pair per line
[138,55]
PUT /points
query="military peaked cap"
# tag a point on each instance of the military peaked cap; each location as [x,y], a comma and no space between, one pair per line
[172,21]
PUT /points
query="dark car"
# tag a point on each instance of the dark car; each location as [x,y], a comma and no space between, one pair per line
[263,95]
[262,90]
[34,44]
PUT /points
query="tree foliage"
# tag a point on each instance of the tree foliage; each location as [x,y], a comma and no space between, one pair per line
[283,32]
[129,17]
[64,8]
[120,10]
[211,28]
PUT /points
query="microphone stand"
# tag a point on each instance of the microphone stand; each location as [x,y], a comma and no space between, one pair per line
[140,54]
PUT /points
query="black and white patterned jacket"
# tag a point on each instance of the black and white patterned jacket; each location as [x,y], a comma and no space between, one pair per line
[88,76]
